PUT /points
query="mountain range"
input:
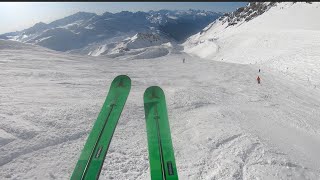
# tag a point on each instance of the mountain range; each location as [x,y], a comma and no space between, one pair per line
[84,30]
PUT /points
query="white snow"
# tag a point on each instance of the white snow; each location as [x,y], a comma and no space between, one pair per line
[151,45]
[90,26]
[68,26]
[172,17]
[5,137]
[286,38]
[42,39]
[98,51]
[142,40]
[224,125]
[24,36]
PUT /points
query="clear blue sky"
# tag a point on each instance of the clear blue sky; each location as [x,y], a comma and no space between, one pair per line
[20,15]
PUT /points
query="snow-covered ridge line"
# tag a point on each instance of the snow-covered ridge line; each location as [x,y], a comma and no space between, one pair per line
[246,13]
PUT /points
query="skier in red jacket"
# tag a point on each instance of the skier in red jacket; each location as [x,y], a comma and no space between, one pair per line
[258,79]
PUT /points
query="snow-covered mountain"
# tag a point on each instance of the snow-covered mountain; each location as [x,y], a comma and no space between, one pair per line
[140,42]
[82,30]
[275,36]
[245,14]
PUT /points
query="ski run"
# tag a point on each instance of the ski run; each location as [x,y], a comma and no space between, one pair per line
[223,124]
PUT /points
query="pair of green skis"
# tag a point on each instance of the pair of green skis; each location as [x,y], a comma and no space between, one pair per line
[161,155]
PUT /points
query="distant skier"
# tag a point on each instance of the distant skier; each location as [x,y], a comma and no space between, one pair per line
[259,70]
[258,79]
[183,60]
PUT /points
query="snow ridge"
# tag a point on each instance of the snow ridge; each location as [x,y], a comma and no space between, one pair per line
[278,36]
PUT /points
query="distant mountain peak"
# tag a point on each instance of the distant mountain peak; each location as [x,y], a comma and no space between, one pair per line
[247,13]
[40,24]
[83,28]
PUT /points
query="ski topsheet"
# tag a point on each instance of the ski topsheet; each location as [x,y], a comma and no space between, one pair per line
[93,154]
[161,154]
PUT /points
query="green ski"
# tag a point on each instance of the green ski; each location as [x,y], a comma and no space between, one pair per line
[161,154]
[94,152]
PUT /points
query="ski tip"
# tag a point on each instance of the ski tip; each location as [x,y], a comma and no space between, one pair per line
[122,81]
[153,91]
[154,88]
[122,77]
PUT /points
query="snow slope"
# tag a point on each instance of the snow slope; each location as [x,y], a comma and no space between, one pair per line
[223,124]
[285,38]
[138,41]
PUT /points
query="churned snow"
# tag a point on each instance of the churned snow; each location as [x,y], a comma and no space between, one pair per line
[224,125]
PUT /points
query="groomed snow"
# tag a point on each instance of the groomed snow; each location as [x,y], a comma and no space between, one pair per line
[223,124]
[285,39]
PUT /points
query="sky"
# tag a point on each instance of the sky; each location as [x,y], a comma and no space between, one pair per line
[17,16]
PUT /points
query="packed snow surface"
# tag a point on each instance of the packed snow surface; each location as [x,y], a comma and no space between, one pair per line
[224,125]
[285,38]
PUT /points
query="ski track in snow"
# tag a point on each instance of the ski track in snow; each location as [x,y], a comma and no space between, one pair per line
[223,124]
